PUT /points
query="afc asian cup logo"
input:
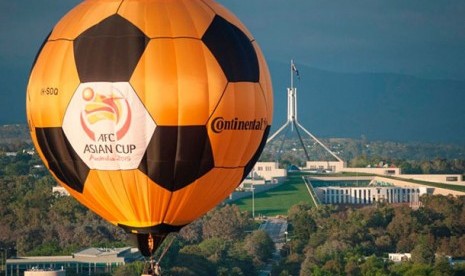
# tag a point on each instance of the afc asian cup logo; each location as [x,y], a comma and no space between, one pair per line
[100,122]
[108,112]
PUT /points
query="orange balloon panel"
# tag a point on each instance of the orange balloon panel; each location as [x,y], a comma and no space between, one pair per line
[133,200]
[82,17]
[52,82]
[125,197]
[237,125]
[179,80]
[155,17]
[196,199]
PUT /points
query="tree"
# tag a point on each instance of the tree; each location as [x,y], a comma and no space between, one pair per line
[359,162]
[442,267]
[419,270]
[227,222]
[238,257]
[373,266]
[352,268]
[400,269]
[334,267]
[459,269]
[192,233]
[214,249]
[302,223]
[260,246]
[189,264]
[307,266]
[423,252]
[384,244]
[401,227]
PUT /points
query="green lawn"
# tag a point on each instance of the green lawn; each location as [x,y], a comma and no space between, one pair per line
[433,184]
[278,200]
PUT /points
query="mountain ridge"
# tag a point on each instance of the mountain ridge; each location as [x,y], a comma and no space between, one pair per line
[378,106]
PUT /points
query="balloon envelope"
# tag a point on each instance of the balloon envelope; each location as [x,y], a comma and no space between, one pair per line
[149,112]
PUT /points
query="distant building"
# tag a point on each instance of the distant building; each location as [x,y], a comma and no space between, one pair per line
[325,166]
[341,167]
[265,172]
[44,272]
[29,151]
[88,261]
[370,195]
[399,257]
[454,179]
[264,176]
[60,191]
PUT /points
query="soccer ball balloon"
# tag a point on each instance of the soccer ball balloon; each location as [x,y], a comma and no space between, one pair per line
[149,112]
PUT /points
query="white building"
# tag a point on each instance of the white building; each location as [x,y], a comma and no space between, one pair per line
[44,272]
[89,261]
[322,166]
[60,190]
[370,195]
[266,172]
[389,171]
[399,257]
[341,166]
[453,179]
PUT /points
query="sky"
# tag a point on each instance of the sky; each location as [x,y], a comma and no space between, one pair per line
[423,38]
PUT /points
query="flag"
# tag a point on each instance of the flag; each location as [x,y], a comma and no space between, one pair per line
[295,70]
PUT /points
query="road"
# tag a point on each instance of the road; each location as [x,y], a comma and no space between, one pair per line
[277,230]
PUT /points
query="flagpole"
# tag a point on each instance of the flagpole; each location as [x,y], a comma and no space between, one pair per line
[292,74]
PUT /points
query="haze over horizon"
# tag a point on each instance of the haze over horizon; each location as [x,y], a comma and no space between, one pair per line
[422,39]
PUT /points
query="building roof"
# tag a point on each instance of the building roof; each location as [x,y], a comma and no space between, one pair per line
[101,252]
[88,255]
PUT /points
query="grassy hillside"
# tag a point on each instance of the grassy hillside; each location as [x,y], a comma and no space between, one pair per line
[277,201]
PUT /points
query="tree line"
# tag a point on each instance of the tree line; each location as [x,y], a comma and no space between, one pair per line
[36,222]
[223,242]
[323,241]
[434,166]
[334,241]
[413,157]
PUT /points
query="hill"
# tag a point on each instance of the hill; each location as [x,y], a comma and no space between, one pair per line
[378,106]
[17,138]
[277,201]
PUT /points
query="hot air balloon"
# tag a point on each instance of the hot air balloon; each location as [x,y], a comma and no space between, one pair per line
[149,112]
